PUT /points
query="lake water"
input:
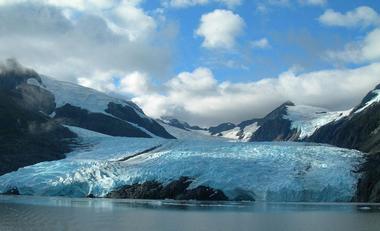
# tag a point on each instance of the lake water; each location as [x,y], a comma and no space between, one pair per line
[47,213]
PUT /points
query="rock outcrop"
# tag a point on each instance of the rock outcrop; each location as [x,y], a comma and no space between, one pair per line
[176,190]
[27,134]
[274,127]
[368,188]
[98,122]
[129,114]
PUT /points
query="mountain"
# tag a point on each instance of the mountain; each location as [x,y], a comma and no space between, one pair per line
[87,108]
[288,122]
[35,111]
[359,130]
[242,131]
[27,134]
[356,128]
[42,119]
[179,124]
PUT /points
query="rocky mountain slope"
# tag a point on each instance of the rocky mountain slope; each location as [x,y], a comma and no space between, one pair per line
[35,110]
[288,122]
[359,130]
[27,134]
[87,108]
[179,124]
[356,128]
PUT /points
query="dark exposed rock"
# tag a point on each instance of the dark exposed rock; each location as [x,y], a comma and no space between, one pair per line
[202,193]
[36,98]
[28,137]
[146,190]
[274,127]
[97,122]
[368,188]
[358,131]
[367,98]
[246,123]
[13,74]
[176,190]
[129,114]
[139,153]
[221,128]
[90,196]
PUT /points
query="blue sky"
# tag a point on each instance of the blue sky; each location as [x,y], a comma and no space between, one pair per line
[203,61]
[296,37]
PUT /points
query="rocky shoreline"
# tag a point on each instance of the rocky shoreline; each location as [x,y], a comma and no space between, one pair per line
[175,190]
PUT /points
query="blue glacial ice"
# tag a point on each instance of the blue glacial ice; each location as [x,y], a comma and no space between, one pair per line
[268,171]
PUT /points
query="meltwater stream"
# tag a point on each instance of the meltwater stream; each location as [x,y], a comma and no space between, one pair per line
[285,172]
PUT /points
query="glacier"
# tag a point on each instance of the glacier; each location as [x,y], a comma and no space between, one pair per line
[308,119]
[273,171]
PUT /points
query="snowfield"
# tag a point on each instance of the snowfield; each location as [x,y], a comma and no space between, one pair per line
[375,99]
[267,171]
[307,119]
[83,97]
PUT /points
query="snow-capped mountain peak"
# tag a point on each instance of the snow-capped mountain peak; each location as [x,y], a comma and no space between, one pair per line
[370,99]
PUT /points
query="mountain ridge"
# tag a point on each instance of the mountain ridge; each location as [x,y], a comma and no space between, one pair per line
[35,111]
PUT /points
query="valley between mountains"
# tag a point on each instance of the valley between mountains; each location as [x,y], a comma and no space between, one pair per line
[62,139]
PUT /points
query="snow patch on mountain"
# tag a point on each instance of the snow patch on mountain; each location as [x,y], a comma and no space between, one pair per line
[307,119]
[83,97]
[375,99]
[249,130]
[231,134]
[182,134]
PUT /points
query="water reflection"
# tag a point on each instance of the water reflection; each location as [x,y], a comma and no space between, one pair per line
[40,213]
[110,204]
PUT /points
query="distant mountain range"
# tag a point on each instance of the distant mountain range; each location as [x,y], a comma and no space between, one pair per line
[356,128]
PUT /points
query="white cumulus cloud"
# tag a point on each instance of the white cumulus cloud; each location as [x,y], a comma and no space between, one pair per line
[362,16]
[313,2]
[197,97]
[83,41]
[365,50]
[261,43]
[220,29]
[188,3]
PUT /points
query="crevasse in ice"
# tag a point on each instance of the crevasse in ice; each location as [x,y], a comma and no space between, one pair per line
[268,171]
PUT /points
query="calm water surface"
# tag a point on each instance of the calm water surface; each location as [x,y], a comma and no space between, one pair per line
[39,213]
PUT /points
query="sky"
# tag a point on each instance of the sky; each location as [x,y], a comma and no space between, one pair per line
[202,61]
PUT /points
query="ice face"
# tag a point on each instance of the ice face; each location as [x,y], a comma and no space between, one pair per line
[268,171]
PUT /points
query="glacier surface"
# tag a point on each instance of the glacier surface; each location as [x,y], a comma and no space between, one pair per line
[267,171]
[308,119]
